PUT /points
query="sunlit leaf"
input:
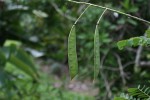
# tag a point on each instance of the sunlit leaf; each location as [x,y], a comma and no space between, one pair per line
[22,55]
[141,92]
[72,55]
[12,42]
[136,41]
[23,66]
[148,33]
[122,44]
[40,13]
[119,98]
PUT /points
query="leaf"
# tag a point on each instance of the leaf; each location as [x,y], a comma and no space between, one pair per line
[119,98]
[136,41]
[140,92]
[10,42]
[148,33]
[40,13]
[148,41]
[2,56]
[22,55]
[130,90]
[23,66]
[129,42]
[133,22]
[96,53]
[72,55]
[122,44]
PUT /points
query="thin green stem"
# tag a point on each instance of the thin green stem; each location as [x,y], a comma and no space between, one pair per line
[101,17]
[120,12]
[81,15]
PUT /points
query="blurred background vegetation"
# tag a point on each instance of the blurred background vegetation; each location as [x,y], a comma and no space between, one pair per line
[33,49]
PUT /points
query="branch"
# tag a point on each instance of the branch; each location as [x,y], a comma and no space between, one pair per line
[81,15]
[61,13]
[138,56]
[100,19]
[122,74]
[144,64]
[104,77]
[82,7]
[113,10]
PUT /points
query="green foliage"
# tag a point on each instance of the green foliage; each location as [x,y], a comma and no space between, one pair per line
[125,97]
[128,7]
[148,33]
[19,78]
[121,44]
[42,25]
[19,58]
[120,98]
[135,41]
[140,93]
[35,24]
[16,66]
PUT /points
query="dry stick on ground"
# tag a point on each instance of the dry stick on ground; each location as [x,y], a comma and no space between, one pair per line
[122,74]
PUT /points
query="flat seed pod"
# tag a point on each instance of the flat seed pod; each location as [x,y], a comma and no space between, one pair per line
[96,53]
[72,55]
